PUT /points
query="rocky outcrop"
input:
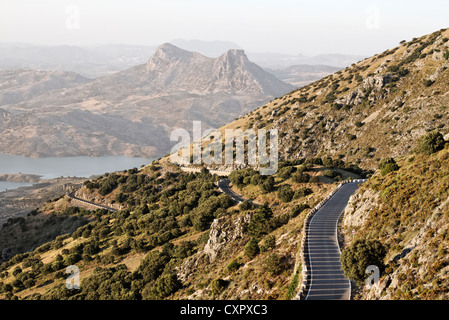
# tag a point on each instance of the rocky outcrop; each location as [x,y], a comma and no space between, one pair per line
[224,231]
[358,208]
[372,84]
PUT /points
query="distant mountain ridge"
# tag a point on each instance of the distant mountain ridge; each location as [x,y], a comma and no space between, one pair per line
[90,62]
[172,67]
[103,60]
[19,85]
[132,112]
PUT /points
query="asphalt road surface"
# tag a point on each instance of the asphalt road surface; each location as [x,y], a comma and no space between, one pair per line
[327,280]
[71,195]
[224,187]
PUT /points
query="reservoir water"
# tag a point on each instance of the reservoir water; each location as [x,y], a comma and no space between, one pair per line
[50,168]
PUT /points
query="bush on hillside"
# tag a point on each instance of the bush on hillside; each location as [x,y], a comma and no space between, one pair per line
[302,192]
[301,177]
[357,257]
[431,143]
[273,263]
[217,286]
[252,248]
[388,165]
[267,185]
[285,193]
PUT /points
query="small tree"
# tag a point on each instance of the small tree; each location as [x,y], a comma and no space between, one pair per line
[252,248]
[269,242]
[431,143]
[363,253]
[286,172]
[297,209]
[388,165]
[285,193]
[331,173]
[164,286]
[273,263]
[267,185]
[245,205]
[260,222]
[302,192]
[301,177]
[217,286]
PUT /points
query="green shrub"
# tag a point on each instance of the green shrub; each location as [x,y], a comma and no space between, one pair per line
[350,136]
[388,165]
[431,143]
[361,254]
[152,265]
[297,209]
[233,266]
[286,172]
[72,259]
[252,248]
[269,242]
[267,185]
[245,205]
[393,68]
[302,192]
[292,288]
[331,173]
[260,222]
[217,286]
[285,193]
[301,177]
[164,286]
[273,263]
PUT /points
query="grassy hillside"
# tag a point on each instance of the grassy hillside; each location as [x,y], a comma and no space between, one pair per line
[370,110]
[408,211]
[175,237]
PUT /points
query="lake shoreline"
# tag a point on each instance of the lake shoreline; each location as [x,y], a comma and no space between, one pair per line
[25,169]
[20,201]
[20,177]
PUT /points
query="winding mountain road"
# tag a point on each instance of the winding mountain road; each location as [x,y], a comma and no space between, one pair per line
[327,281]
[72,196]
[223,185]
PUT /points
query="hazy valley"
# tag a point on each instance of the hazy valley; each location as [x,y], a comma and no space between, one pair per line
[132,112]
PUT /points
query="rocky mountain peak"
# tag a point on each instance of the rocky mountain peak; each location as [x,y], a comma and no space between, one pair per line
[169,50]
[176,68]
[167,55]
[233,58]
[235,54]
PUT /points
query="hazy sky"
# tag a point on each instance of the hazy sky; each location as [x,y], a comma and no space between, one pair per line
[284,26]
